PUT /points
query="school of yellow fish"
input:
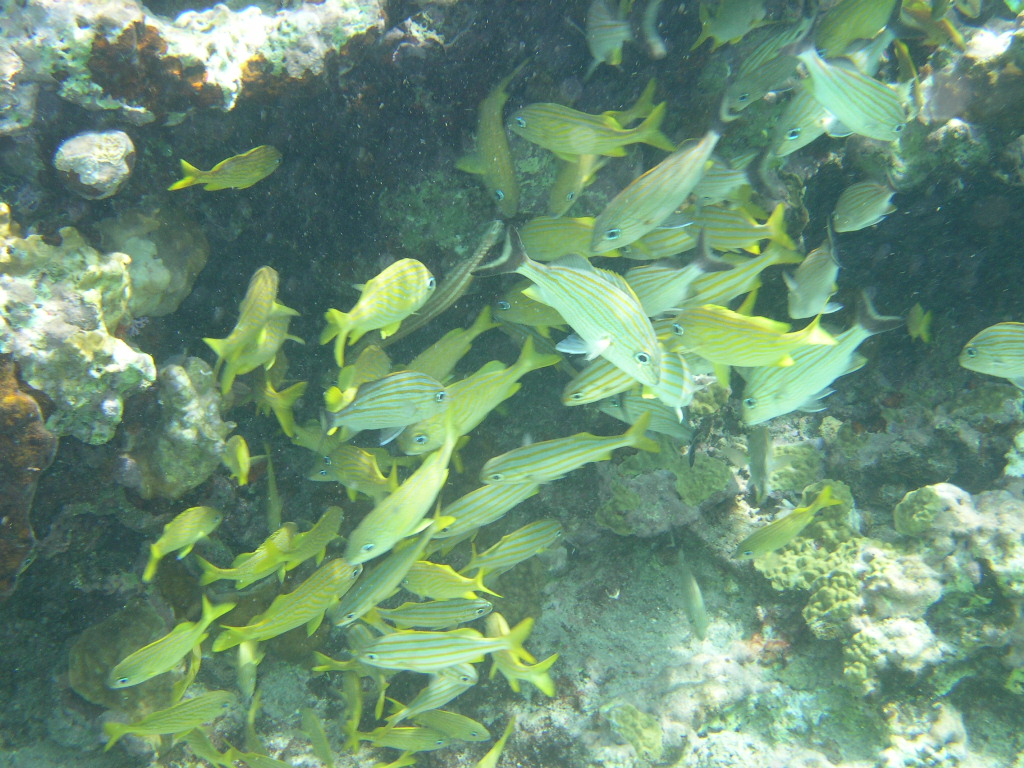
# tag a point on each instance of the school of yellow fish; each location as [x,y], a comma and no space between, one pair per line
[652,336]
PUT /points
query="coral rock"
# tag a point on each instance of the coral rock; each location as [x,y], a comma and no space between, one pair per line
[95,165]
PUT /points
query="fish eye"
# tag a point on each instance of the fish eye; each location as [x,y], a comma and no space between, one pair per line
[431,283]
[441,397]
[323,473]
[464,679]
[642,358]
[368,547]
[743,97]
[570,196]
[520,122]
[371,656]
[474,733]
[749,402]
[350,616]
[499,195]
[327,460]
[677,329]
[898,128]
[122,681]
[793,133]
[970,351]
[504,305]
[420,439]
[612,234]
[576,396]
[495,477]
[439,742]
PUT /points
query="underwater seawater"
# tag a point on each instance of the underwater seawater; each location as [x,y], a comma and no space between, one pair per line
[493,383]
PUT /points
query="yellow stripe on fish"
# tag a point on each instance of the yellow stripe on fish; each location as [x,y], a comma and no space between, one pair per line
[606,30]
[779,533]
[435,614]
[482,507]
[850,20]
[432,651]
[440,689]
[574,175]
[512,549]
[802,121]
[549,239]
[269,557]
[179,718]
[516,307]
[862,205]
[386,300]
[551,459]
[649,199]
[998,351]
[437,581]
[731,229]
[453,724]
[814,282]
[600,379]
[569,133]
[356,469]
[396,400]
[721,287]
[238,172]
[629,408]
[182,533]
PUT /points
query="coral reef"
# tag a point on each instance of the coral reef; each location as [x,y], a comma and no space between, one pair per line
[95,165]
[176,442]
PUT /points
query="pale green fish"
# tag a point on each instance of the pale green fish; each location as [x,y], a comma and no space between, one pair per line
[247,660]
[441,357]
[677,385]
[441,582]
[237,459]
[606,31]
[722,286]
[629,408]
[395,401]
[481,507]
[255,759]
[729,22]
[180,535]
[919,323]
[442,687]
[313,543]
[570,133]
[261,353]
[356,469]
[814,282]
[435,614]
[372,363]
[432,651]
[862,205]
[492,159]
[258,306]
[178,718]
[802,121]
[514,548]
[574,175]
[238,172]
[598,305]
[551,459]
[693,599]
[516,307]
[656,47]
[199,742]
[769,392]
[549,239]
[380,583]
[453,725]
[731,229]
[306,604]
[850,20]
[411,739]
[724,337]
[864,105]
[663,242]
[250,567]
[386,300]
[760,451]
[779,533]
[664,285]
[164,654]
[281,404]
[724,181]
[649,199]
[998,351]
[490,760]
[519,668]
[473,398]
[600,379]
[767,67]
[402,513]
[314,729]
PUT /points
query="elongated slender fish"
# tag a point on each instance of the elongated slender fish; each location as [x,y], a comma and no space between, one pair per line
[179,718]
[436,614]
[570,133]
[439,690]
[512,549]
[432,651]
[482,507]
[779,533]
[395,401]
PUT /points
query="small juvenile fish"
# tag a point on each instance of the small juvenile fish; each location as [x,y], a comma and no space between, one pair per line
[394,401]
[574,175]
[179,718]
[549,239]
[432,651]
[512,549]
[814,282]
[606,31]
[442,687]
[569,133]
[516,307]
[998,351]
[180,535]
[731,20]
[551,459]
[693,599]
[862,205]
[518,668]
[163,654]
[386,300]
[238,172]
[651,198]
[236,458]
[779,533]
[919,323]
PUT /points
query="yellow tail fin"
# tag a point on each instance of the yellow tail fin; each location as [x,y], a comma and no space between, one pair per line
[192,175]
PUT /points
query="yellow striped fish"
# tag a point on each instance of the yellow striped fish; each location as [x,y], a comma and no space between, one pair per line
[409,739]
[665,285]
[862,205]
[250,567]
[396,400]
[306,604]
[439,690]
[600,379]
[490,760]
[850,20]
[606,31]
[864,105]
[663,242]
[677,385]
[641,108]
[724,181]
[441,582]
[492,160]
[179,718]
[813,283]
[428,651]
[238,172]
[574,175]
[482,507]
[453,724]
[262,352]
[766,68]
[630,407]
[313,543]
[380,583]
[731,229]
[721,287]
[386,300]
[779,533]
[512,549]
[163,654]
[729,22]
[802,121]
[998,351]
[724,337]
[516,307]
[549,239]
[551,459]
[181,533]
[513,668]
[569,133]
[436,614]
[356,469]
[649,200]
[771,392]
[441,357]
